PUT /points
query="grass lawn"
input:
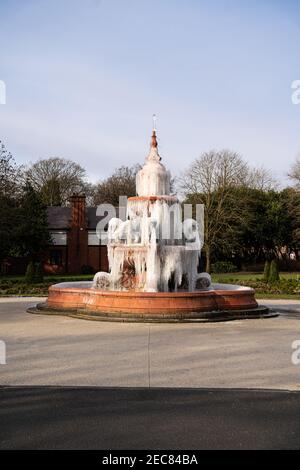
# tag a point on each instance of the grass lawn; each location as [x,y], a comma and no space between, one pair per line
[261,295]
[242,276]
[287,288]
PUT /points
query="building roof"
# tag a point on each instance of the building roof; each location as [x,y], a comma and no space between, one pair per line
[59,217]
[92,218]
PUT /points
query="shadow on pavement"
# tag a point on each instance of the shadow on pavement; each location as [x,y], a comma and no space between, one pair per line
[140,418]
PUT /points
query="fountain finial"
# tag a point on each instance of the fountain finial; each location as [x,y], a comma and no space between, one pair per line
[153,137]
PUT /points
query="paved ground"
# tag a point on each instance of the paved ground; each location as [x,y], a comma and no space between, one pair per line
[85,418]
[214,359]
[290,308]
[46,350]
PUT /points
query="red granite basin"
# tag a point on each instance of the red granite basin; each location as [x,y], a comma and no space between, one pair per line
[80,295]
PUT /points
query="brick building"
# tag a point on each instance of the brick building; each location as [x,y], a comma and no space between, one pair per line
[75,242]
[75,245]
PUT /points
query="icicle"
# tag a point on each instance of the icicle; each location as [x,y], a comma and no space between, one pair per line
[152,263]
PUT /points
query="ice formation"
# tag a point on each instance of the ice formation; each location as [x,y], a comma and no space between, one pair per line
[153,250]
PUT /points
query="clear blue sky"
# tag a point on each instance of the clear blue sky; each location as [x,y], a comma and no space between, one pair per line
[83,79]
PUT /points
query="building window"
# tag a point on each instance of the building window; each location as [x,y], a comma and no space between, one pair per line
[93,239]
[59,238]
[56,257]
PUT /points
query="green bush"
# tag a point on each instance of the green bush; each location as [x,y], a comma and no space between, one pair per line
[38,273]
[274,272]
[266,273]
[34,273]
[223,267]
[86,269]
[30,271]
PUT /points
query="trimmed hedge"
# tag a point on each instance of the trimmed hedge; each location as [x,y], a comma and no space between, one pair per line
[223,267]
[23,288]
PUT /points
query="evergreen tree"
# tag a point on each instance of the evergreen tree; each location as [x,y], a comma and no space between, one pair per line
[8,220]
[9,195]
[32,232]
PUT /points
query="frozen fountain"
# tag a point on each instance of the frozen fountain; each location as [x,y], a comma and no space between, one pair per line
[152,250]
[153,260]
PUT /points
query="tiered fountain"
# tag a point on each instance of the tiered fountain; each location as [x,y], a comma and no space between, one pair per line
[153,266]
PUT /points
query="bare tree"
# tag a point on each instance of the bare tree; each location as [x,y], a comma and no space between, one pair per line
[209,180]
[120,183]
[294,206]
[261,178]
[294,174]
[56,179]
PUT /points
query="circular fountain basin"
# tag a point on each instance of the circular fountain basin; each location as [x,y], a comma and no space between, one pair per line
[220,302]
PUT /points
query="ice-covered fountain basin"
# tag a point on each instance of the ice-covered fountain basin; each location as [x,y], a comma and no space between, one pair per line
[81,296]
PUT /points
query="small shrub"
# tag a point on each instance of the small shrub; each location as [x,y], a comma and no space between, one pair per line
[266,273]
[274,272]
[223,267]
[30,271]
[38,273]
[87,269]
